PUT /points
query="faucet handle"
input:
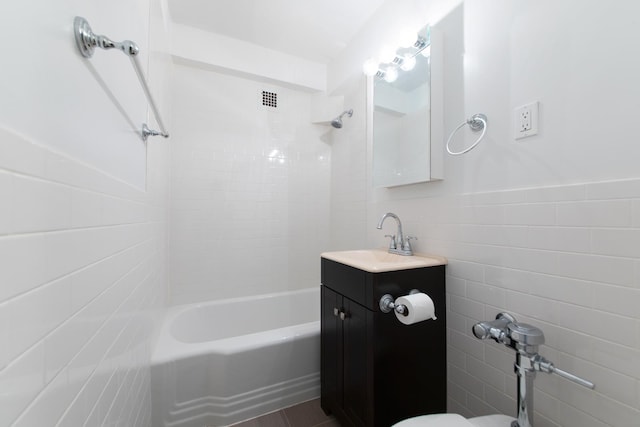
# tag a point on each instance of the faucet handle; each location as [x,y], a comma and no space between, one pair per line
[392,243]
[407,245]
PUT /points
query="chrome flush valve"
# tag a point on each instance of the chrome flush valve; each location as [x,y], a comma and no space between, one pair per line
[524,339]
[496,329]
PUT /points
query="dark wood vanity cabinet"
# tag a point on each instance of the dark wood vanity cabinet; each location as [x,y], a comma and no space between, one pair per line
[376,371]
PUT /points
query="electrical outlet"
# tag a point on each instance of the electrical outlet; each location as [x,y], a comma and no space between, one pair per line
[526,120]
[524,115]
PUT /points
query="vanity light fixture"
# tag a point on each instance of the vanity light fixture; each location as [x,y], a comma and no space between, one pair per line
[387,54]
[370,67]
[408,62]
[404,58]
[406,37]
[390,74]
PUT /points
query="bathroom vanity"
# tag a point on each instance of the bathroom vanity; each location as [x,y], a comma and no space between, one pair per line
[375,370]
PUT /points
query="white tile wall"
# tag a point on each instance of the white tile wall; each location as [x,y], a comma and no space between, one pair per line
[82,267]
[545,227]
[349,174]
[82,241]
[250,188]
[570,267]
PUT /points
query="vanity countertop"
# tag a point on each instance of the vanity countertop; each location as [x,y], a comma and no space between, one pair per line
[379,260]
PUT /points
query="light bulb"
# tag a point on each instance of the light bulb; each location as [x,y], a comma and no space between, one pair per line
[408,62]
[370,67]
[407,37]
[426,52]
[390,74]
[387,54]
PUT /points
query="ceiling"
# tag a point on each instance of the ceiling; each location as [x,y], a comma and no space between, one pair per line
[316,30]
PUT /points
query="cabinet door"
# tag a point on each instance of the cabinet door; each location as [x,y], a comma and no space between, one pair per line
[357,399]
[331,352]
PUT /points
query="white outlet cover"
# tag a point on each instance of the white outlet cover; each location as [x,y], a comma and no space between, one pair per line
[533,110]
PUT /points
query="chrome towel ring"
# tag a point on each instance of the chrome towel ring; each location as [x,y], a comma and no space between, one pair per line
[476,122]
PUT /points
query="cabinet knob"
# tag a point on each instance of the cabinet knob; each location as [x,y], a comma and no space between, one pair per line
[339,313]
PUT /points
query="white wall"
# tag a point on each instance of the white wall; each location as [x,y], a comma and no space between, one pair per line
[90,109]
[348,225]
[243,58]
[82,248]
[545,228]
[250,188]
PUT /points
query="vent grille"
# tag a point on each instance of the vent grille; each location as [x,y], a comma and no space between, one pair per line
[269,99]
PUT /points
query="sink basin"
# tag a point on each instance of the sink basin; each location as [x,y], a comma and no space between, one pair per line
[379,260]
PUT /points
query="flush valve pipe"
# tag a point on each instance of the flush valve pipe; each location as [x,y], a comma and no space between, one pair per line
[524,339]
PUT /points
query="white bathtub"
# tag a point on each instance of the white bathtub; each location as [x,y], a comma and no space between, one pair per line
[221,362]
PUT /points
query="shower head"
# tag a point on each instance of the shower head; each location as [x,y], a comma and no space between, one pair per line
[337,122]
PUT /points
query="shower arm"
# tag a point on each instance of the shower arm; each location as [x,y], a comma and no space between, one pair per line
[87,41]
[348,112]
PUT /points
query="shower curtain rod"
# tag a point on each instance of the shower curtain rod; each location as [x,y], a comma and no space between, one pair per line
[87,41]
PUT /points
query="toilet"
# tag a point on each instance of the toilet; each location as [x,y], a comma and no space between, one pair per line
[455,420]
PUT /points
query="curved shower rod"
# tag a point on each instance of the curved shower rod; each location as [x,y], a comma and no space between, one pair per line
[87,42]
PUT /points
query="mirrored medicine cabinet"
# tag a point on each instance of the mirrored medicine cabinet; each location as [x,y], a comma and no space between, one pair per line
[406,118]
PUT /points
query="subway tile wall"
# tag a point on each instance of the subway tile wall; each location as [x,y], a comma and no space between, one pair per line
[82,273]
[565,259]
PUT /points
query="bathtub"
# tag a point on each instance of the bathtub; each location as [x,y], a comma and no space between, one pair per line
[221,362]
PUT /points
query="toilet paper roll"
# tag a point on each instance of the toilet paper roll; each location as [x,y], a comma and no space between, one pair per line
[419,307]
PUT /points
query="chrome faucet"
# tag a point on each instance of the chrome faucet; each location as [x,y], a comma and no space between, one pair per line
[524,339]
[399,243]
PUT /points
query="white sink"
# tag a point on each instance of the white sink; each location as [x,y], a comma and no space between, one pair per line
[379,260]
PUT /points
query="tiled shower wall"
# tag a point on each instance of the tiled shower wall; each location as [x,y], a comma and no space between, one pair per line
[83,259]
[565,259]
[250,188]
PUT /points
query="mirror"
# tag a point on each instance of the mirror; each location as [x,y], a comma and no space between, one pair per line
[406,124]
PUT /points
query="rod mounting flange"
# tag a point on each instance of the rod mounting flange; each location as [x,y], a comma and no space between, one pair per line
[85,39]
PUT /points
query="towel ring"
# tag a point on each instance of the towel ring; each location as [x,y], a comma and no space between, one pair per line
[476,123]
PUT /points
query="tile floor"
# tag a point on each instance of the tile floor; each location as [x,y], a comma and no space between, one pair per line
[307,414]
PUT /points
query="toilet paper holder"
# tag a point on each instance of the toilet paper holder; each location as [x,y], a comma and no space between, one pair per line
[387,303]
